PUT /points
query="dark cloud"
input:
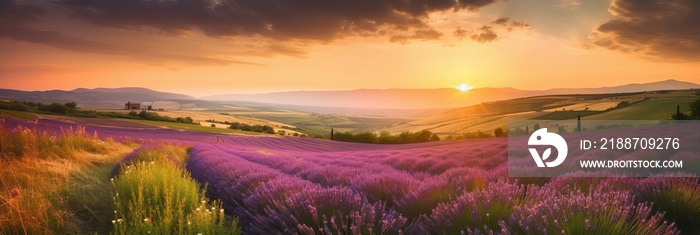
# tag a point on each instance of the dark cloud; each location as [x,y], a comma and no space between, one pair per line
[12,12]
[16,23]
[282,26]
[484,34]
[487,33]
[59,40]
[659,29]
[317,20]
[501,21]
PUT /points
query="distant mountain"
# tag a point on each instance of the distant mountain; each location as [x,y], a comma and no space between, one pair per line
[98,97]
[382,98]
[368,101]
[670,84]
[428,98]
[101,98]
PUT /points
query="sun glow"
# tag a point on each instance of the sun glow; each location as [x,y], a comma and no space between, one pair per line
[463,87]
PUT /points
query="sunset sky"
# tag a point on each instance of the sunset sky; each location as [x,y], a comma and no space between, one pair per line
[206,47]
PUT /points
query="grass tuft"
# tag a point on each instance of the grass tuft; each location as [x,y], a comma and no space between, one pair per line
[155,195]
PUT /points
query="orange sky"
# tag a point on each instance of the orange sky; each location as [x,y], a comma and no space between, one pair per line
[565,44]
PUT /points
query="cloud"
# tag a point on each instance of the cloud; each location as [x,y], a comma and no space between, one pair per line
[423,35]
[282,20]
[17,20]
[283,27]
[12,12]
[460,33]
[656,29]
[571,4]
[484,34]
[487,33]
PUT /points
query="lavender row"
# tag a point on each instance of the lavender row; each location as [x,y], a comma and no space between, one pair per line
[271,202]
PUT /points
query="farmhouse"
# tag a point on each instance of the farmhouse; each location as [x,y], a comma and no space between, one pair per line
[132,105]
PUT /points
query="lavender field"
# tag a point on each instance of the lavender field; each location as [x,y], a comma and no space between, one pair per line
[277,185]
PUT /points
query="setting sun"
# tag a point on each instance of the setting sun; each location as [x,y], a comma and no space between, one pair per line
[463,87]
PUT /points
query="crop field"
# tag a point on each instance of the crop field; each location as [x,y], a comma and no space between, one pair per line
[656,105]
[293,185]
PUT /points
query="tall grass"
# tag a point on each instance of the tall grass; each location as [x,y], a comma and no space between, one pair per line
[23,142]
[35,170]
[155,195]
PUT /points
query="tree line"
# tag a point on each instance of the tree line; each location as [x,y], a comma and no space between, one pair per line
[71,109]
[386,137]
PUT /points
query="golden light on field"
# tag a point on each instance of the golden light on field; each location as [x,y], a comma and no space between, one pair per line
[463,87]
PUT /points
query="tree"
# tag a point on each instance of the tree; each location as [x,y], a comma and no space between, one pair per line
[54,108]
[71,105]
[498,132]
[695,109]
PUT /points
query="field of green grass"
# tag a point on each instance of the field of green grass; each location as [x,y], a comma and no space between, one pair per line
[17,114]
[191,127]
[563,115]
[320,124]
[652,109]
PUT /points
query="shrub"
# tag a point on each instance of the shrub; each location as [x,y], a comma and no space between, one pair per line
[54,108]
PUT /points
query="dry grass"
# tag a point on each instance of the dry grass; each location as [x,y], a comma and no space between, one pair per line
[36,170]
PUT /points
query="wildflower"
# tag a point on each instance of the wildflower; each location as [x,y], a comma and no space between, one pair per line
[588,224]
[14,192]
[114,221]
[145,220]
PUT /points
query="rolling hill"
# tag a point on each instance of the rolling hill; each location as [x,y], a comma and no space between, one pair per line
[485,117]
